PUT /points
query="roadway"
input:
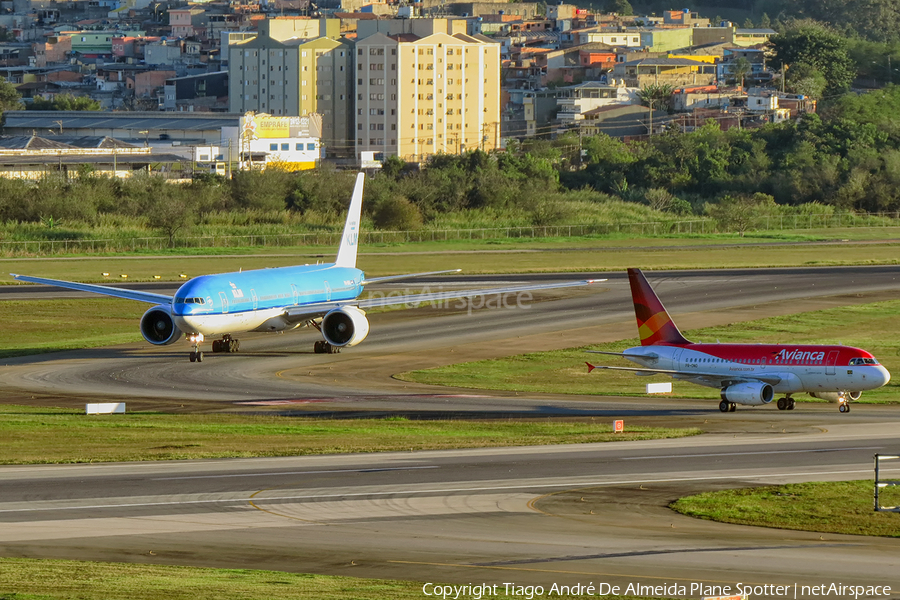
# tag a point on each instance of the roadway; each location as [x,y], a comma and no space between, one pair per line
[541,515]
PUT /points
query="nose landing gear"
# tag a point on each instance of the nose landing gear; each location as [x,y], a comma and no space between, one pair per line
[196,339]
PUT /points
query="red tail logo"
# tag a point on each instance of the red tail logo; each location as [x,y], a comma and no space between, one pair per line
[655,326]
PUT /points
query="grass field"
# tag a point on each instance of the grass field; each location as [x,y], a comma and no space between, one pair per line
[23,579]
[476,256]
[564,371]
[41,435]
[833,507]
[36,326]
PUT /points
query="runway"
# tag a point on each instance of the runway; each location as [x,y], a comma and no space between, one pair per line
[543,515]
[539,515]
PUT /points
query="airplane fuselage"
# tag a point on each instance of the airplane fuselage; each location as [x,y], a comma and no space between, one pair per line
[788,368]
[255,300]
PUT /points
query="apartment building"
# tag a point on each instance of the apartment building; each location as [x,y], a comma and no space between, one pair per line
[420,96]
[296,77]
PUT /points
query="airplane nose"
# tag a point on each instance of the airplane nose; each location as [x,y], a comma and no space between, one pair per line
[885,374]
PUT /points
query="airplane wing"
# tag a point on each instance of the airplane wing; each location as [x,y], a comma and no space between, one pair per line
[770,379]
[312,311]
[105,290]
[371,280]
[416,299]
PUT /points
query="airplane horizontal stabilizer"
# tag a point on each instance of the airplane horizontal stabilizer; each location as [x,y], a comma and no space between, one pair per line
[105,290]
[624,354]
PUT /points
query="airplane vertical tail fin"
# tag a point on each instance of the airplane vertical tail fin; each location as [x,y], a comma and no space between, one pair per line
[655,326]
[346,256]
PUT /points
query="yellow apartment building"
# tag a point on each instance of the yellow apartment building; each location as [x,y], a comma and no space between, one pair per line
[422,95]
[296,77]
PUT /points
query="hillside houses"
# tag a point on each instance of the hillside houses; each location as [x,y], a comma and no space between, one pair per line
[381,75]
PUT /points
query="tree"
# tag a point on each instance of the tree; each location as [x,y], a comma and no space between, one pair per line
[396,213]
[740,212]
[805,79]
[620,7]
[657,96]
[64,102]
[877,20]
[818,46]
[740,68]
[172,210]
[10,99]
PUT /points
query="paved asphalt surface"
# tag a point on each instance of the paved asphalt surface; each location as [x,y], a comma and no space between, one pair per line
[540,515]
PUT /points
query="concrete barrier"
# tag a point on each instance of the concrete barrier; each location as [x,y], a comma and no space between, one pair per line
[104,408]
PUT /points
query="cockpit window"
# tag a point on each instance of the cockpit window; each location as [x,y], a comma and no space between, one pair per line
[862,361]
[180,300]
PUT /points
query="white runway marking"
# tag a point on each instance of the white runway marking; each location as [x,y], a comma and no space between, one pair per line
[372,470]
[751,453]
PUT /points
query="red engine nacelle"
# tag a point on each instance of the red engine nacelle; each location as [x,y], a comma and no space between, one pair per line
[753,393]
[158,327]
[344,327]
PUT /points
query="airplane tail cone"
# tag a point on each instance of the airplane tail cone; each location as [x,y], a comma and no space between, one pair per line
[590,367]
[655,326]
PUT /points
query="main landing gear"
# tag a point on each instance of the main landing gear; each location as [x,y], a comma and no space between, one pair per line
[726,406]
[226,344]
[786,403]
[323,347]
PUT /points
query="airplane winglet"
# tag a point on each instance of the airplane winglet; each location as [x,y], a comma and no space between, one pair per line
[590,367]
[346,256]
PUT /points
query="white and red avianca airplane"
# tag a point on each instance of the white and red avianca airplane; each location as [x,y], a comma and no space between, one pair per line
[746,373]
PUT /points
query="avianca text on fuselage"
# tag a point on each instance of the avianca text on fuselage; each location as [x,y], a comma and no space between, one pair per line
[746,373]
[797,354]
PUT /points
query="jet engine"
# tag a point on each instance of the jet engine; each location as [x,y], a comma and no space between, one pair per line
[158,327]
[753,393]
[344,327]
[836,396]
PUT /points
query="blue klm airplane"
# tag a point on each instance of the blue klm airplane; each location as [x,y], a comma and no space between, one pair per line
[325,296]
